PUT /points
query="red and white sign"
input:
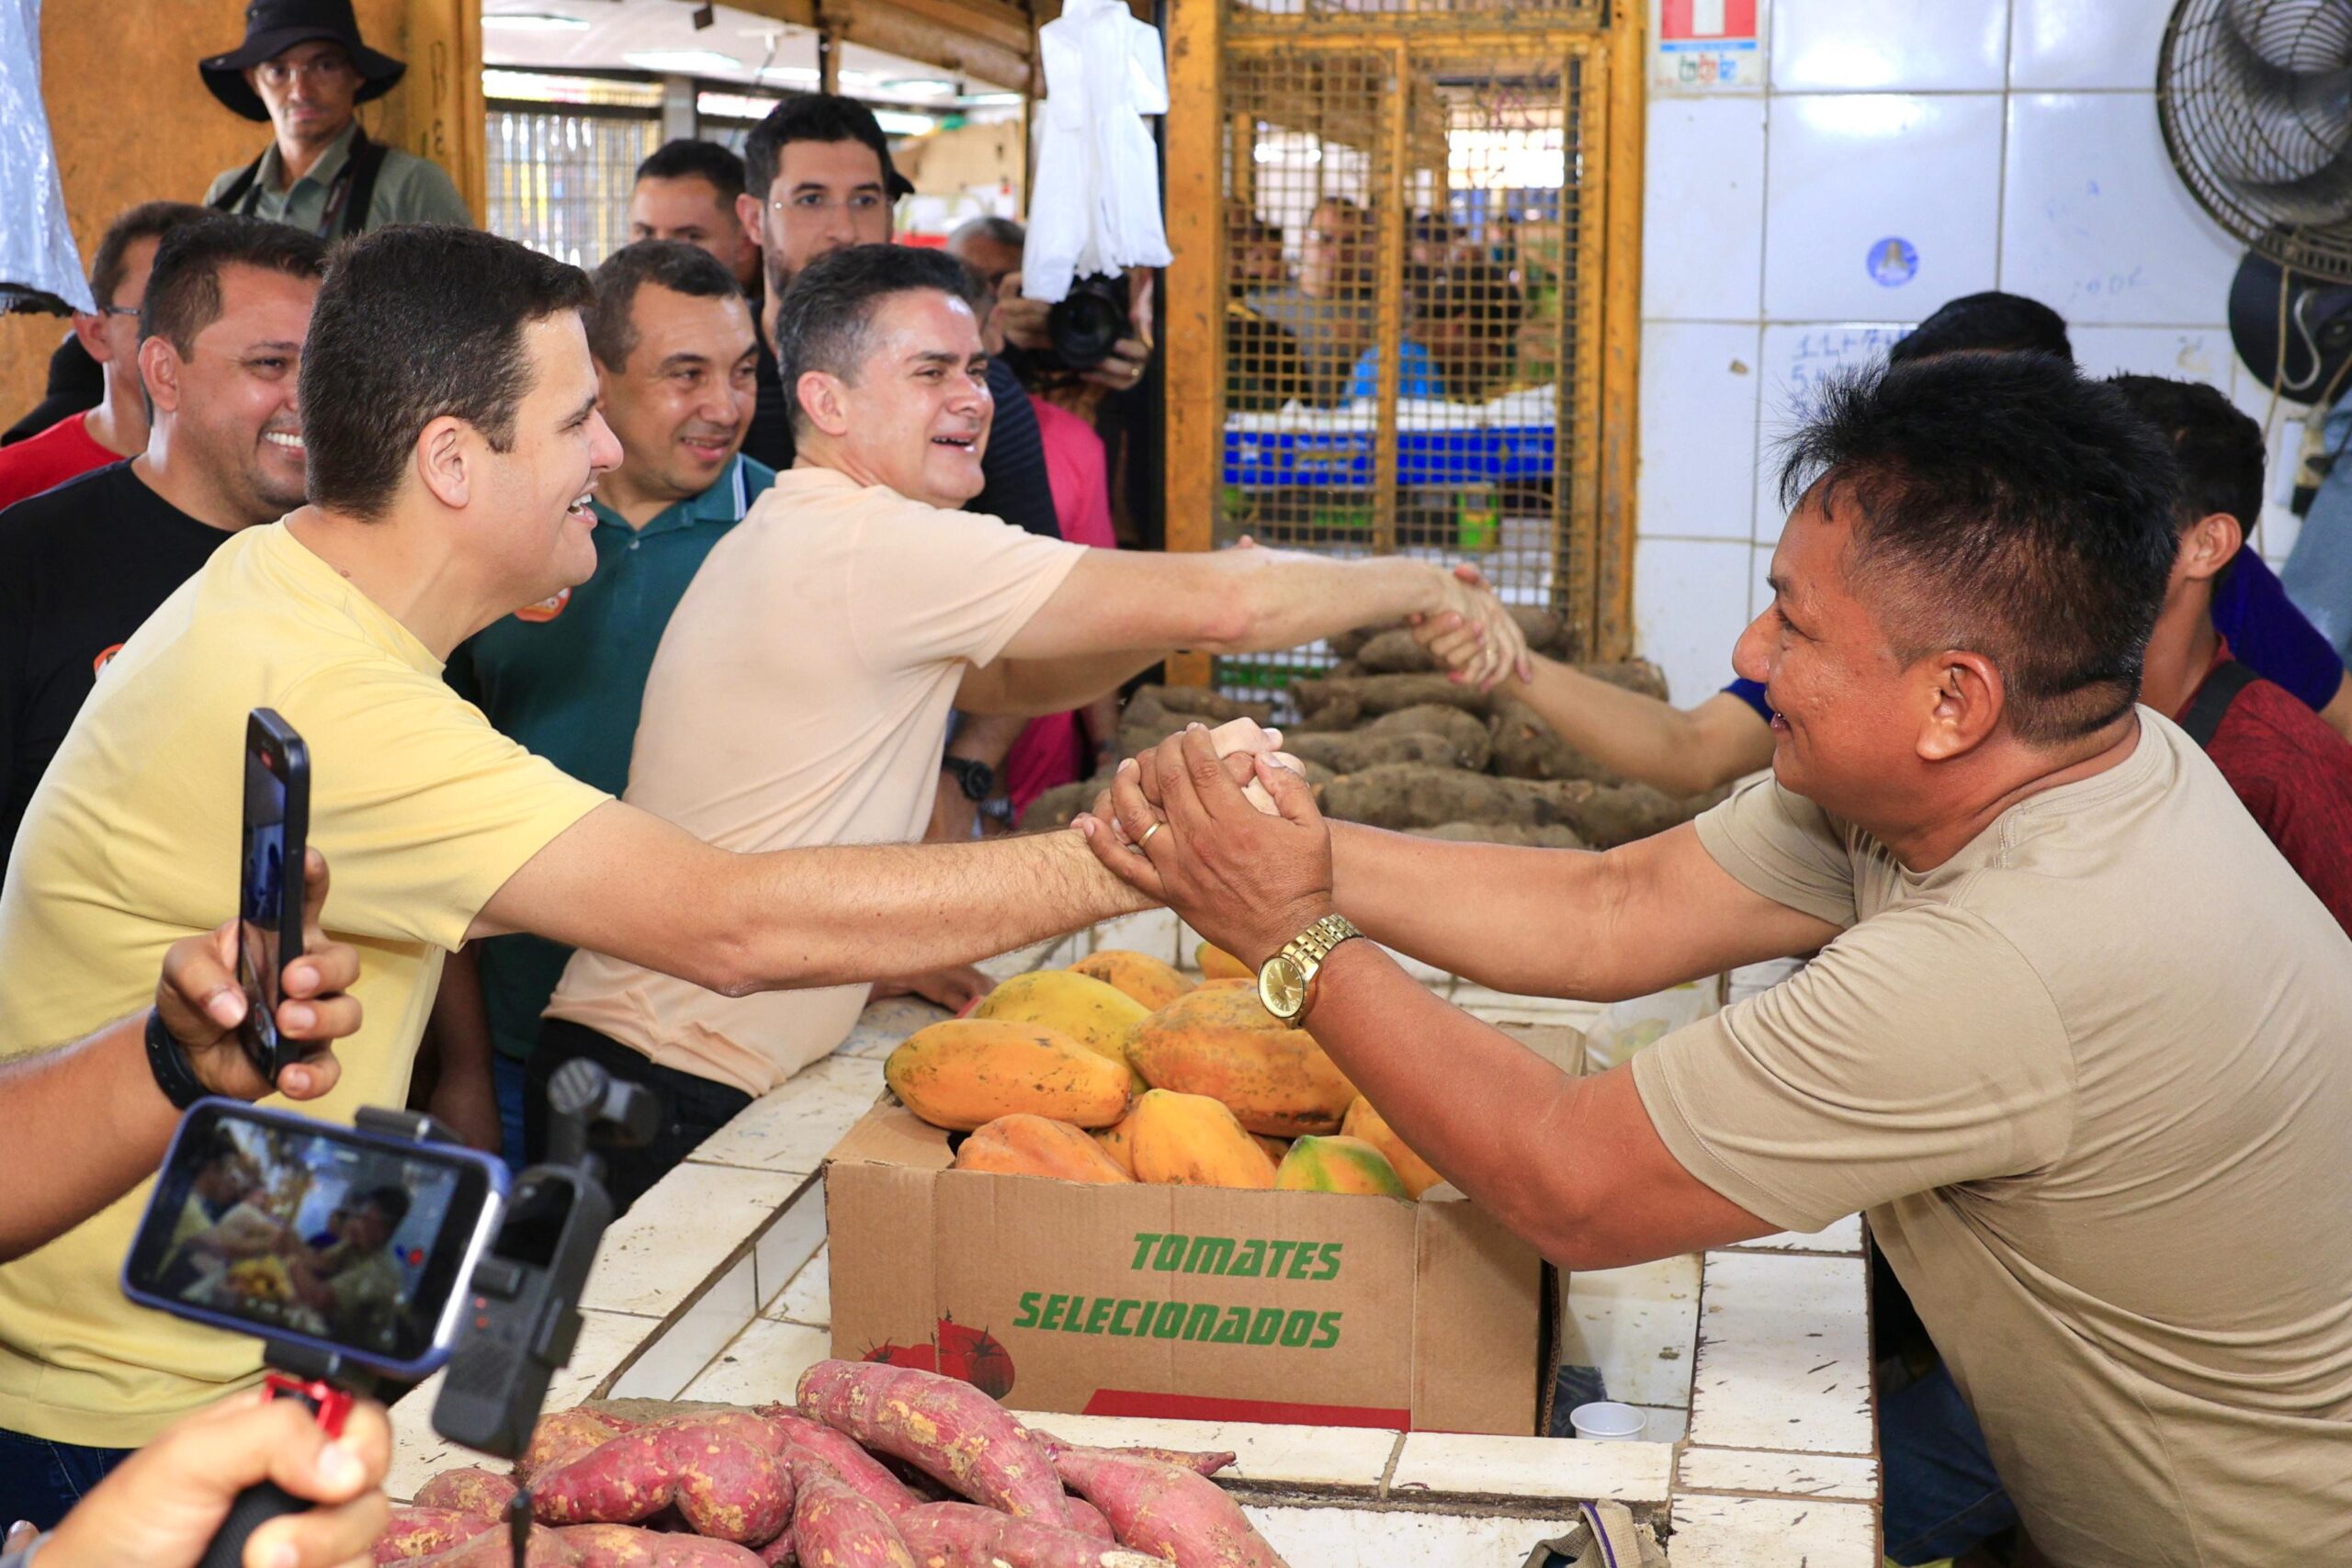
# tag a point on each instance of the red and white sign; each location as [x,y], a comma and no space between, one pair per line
[1707,46]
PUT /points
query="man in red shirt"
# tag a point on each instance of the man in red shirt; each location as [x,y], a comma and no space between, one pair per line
[2293,773]
[116,428]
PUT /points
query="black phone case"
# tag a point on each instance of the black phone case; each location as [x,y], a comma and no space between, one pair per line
[265,731]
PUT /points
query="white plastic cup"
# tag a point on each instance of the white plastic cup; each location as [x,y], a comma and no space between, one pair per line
[1607,1418]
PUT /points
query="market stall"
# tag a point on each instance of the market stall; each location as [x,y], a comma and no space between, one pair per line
[1751,1365]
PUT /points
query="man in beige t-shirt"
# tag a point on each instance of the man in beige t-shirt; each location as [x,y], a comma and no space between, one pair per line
[2075,1041]
[801,692]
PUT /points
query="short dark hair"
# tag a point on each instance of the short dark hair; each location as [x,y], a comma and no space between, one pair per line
[388,1200]
[822,321]
[184,288]
[1993,321]
[415,321]
[2217,443]
[685,159]
[673,265]
[815,116]
[2004,504]
[1001,230]
[148,220]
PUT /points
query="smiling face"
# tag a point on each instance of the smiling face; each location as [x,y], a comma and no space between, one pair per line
[226,414]
[682,403]
[532,506]
[827,196]
[916,415]
[1847,713]
[310,91]
[690,210]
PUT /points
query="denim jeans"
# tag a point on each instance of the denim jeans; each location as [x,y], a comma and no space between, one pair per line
[41,1480]
[510,1077]
[1942,1493]
[2318,574]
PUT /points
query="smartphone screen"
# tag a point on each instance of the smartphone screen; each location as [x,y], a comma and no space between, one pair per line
[269,893]
[296,1230]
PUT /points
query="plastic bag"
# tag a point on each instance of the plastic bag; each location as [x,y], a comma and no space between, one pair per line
[1095,206]
[1638,1022]
[1606,1537]
[39,267]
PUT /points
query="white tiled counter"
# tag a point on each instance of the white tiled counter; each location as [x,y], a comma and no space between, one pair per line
[1751,1364]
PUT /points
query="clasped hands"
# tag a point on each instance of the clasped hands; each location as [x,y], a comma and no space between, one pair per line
[1221,827]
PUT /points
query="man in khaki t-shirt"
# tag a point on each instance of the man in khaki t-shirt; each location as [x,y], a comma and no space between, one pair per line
[2076,1040]
[802,693]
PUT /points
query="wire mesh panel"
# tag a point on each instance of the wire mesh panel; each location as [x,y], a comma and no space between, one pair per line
[1405,362]
[559,178]
[1445,13]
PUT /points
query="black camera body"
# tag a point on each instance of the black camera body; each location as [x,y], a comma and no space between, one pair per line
[1088,321]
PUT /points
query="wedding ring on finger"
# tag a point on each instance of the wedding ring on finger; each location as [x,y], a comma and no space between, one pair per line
[1148,832]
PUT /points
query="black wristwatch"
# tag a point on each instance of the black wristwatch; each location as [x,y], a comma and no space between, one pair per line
[169,1064]
[977,779]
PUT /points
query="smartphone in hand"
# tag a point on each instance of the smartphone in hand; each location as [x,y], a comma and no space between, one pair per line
[270,883]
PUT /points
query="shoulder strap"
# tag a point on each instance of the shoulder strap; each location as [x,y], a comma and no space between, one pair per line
[2203,719]
[367,163]
[228,200]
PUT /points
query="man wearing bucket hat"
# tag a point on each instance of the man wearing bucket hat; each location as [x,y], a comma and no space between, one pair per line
[303,68]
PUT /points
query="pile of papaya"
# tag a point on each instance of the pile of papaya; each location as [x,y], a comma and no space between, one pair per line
[1122,1068]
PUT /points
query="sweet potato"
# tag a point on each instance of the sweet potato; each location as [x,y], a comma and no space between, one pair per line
[949,1430]
[860,1471]
[1371,695]
[1085,1518]
[1471,739]
[1167,1510]
[1634,674]
[490,1548]
[469,1491]
[1608,817]
[959,1535]
[1200,1462]
[1408,795]
[1527,748]
[781,1553]
[565,1436]
[1357,750]
[1183,704]
[416,1531]
[833,1527]
[1054,807]
[625,1546]
[720,1470]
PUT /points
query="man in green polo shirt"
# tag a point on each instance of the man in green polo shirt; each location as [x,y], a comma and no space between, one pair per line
[303,68]
[674,350]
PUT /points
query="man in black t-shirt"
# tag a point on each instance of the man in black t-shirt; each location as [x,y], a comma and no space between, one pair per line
[81,566]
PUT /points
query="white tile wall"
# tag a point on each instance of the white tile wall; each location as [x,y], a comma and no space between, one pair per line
[1701,406]
[1846,46]
[2012,143]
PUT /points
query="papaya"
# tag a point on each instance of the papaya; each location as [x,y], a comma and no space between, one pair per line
[1024,1145]
[1118,1141]
[1139,974]
[1337,1164]
[1364,1122]
[1220,1042]
[1216,963]
[1098,1016]
[1189,1140]
[966,1072]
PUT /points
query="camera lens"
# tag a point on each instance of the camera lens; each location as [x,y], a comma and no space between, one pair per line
[1088,322]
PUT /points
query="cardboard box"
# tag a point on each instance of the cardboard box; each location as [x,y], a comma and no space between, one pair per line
[1208,1304]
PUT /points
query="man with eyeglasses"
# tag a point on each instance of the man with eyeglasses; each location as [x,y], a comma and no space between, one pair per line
[303,68]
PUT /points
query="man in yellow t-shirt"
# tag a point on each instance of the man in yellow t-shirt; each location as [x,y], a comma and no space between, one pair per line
[453,441]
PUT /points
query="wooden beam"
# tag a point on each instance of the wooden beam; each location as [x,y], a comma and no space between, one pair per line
[1191,292]
[1625,65]
[444,119]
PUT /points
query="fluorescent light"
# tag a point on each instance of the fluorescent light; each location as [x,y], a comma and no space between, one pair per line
[685,61]
[792,73]
[926,86]
[535,22]
[897,124]
[990,100]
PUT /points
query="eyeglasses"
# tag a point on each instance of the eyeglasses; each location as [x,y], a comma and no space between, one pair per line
[118,310]
[318,68]
[862,201]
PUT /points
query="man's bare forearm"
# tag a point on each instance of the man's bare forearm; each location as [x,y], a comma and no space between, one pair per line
[86,1124]
[829,917]
[1034,687]
[1678,751]
[1286,598]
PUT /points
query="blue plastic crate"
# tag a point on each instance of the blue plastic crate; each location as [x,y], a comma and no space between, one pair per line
[1269,458]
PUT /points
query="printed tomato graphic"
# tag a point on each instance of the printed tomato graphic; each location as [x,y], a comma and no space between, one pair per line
[976,1356]
[923,1358]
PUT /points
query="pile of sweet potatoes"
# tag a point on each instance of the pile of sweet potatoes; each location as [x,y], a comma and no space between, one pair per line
[871,1466]
[1388,741]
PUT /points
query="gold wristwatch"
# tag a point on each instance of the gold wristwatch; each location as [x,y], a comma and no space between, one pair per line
[1286,981]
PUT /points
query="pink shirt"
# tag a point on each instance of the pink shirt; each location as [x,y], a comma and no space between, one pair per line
[44,461]
[1050,750]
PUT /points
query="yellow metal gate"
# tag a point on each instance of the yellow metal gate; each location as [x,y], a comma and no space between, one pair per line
[1415,332]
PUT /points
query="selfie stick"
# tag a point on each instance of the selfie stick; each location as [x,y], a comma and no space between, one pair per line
[327,1381]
